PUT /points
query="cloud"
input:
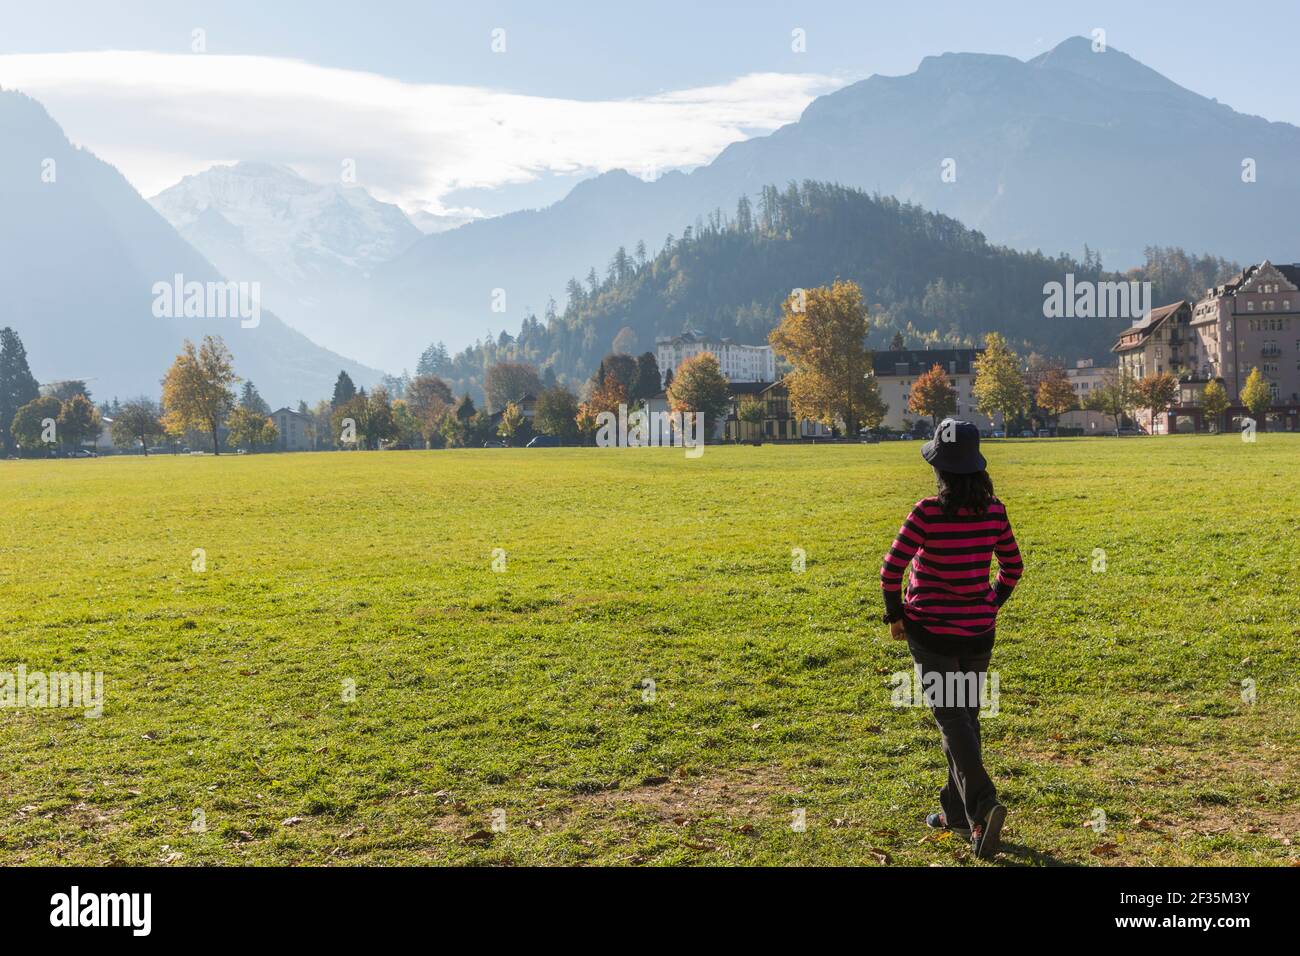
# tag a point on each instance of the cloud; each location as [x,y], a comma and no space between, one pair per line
[158,117]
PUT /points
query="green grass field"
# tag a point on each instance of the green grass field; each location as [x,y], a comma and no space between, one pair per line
[478,691]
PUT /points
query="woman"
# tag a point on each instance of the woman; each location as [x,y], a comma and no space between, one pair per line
[947,617]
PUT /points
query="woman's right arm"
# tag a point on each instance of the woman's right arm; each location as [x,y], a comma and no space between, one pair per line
[908,541]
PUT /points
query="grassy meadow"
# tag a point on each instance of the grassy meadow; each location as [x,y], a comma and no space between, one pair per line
[517,697]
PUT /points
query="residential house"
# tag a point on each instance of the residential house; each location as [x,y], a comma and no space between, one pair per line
[896,371]
[1159,342]
[1091,422]
[779,421]
[527,404]
[1084,379]
[296,430]
[104,440]
[713,431]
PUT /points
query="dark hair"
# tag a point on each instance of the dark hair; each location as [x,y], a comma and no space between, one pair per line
[973,491]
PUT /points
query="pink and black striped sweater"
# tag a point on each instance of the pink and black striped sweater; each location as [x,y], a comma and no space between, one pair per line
[948,598]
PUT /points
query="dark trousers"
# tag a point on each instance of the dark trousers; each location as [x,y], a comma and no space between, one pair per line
[946,686]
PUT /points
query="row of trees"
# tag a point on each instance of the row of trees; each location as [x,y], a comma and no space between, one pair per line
[197,397]
[1121,393]
[1043,392]
[823,335]
[63,417]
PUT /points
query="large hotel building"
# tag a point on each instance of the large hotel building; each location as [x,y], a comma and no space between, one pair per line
[739,363]
[1250,321]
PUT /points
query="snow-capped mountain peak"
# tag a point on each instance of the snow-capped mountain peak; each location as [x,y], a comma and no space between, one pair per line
[295,226]
[311,246]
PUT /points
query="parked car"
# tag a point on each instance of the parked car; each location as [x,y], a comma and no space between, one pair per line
[1044,433]
[84,453]
[998,433]
[494,444]
[544,441]
[1027,433]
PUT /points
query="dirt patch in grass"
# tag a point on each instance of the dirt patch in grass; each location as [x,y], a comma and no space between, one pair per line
[743,794]
[1281,824]
[739,799]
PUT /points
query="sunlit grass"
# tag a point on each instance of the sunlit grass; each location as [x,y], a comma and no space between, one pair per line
[525,691]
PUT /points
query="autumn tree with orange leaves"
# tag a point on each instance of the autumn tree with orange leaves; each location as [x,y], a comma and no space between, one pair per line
[605,397]
[1055,393]
[932,394]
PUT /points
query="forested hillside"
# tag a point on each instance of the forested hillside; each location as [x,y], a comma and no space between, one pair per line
[924,275]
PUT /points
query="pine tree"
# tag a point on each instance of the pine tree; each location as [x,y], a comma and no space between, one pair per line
[435,360]
[17,384]
[344,390]
[251,400]
[647,377]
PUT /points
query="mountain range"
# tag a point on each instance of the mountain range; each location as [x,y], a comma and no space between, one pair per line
[1070,149]
[80,254]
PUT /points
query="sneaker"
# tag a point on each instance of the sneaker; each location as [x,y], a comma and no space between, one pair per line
[939,821]
[984,837]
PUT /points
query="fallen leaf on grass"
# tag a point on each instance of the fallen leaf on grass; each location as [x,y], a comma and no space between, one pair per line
[1104,849]
[881,857]
[291,822]
[479,836]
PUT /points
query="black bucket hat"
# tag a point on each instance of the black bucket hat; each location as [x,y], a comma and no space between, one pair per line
[955,448]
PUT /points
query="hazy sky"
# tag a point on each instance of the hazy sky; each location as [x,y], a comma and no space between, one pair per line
[414,93]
